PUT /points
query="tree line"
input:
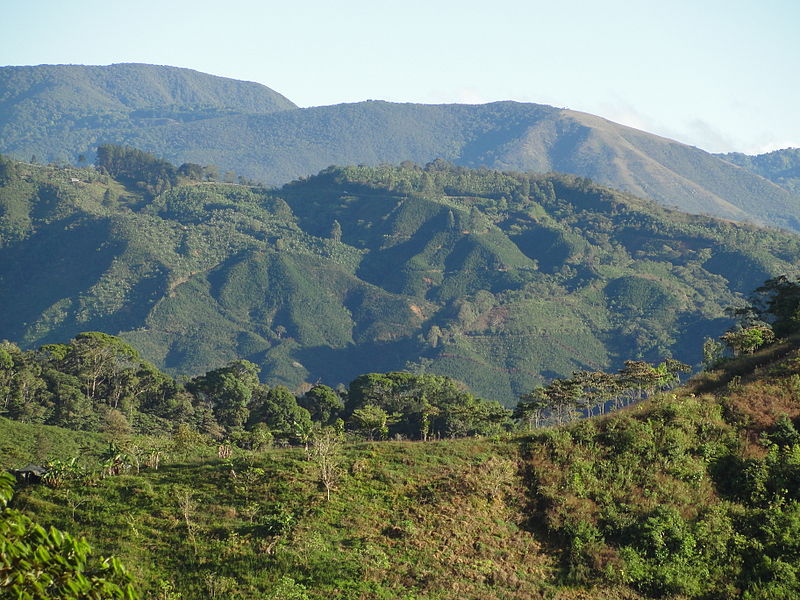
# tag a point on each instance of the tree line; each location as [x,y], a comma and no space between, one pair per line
[98,382]
[154,175]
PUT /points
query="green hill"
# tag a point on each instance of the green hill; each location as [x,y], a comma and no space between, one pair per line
[58,113]
[691,494]
[780,166]
[500,280]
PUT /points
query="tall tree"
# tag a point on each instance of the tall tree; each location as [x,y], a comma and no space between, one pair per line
[229,391]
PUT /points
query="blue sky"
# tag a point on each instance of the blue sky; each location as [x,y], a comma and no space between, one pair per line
[721,75]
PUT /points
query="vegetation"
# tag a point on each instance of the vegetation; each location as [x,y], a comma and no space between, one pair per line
[690,493]
[500,280]
[57,114]
[240,479]
[780,166]
[97,382]
[40,564]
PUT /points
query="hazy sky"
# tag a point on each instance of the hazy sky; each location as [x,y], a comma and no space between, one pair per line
[719,74]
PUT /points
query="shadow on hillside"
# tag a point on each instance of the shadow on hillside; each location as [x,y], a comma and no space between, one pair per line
[345,364]
[534,507]
[60,261]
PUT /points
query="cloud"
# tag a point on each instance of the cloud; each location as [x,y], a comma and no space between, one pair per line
[694,131]
[625,114]
[465,95]
[704,135]
[772,146]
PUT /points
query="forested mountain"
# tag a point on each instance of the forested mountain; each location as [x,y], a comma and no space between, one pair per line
[58,113]
[500,280]
[779,166]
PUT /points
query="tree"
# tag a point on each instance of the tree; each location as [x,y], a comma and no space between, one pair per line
[531,407]
[278,408]
[748,340]
[777,302]
[639,376]
[424,404]
[323,404]
[325,452]
[371,420]
[23,394]
[99,360]
[8,170]
[43,564]
[712,353]
[211,173]
[117,427]
[229,391]
[137,168]
[336,231]
[191,171]
[72,409]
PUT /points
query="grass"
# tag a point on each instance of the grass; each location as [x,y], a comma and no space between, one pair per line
[678,496]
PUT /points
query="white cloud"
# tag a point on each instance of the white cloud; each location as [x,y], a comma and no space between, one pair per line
[772,146]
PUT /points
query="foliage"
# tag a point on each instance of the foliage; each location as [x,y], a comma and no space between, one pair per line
[780,166]
[748,339]
[134,167]
[500,280]
[40,564]
[586,391]
[420,406]
[670,497]
[678,495]
[777,302]
[58,113]
[97,382]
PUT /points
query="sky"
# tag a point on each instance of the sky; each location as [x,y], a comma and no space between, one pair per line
[718,74]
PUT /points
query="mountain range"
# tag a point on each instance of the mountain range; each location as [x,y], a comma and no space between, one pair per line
[500,280]
[62,112]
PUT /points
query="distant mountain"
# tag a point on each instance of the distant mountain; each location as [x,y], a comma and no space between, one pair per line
[60,112]
[57,112]
[499,280]
[781,166]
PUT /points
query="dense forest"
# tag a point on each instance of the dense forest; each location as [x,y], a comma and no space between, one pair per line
[97,382]
[500,280]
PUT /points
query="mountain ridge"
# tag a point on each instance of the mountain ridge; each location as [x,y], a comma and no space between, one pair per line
[362,269]
[276,143]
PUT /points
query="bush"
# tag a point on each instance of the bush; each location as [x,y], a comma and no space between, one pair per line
[40,564]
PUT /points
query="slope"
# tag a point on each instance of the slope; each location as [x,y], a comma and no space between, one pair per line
[499,280]
[60,112]
[780,166]
[686,495]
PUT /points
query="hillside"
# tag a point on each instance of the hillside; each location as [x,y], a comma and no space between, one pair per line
[58,113]
[498,280]
[690,494]
[781,166]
